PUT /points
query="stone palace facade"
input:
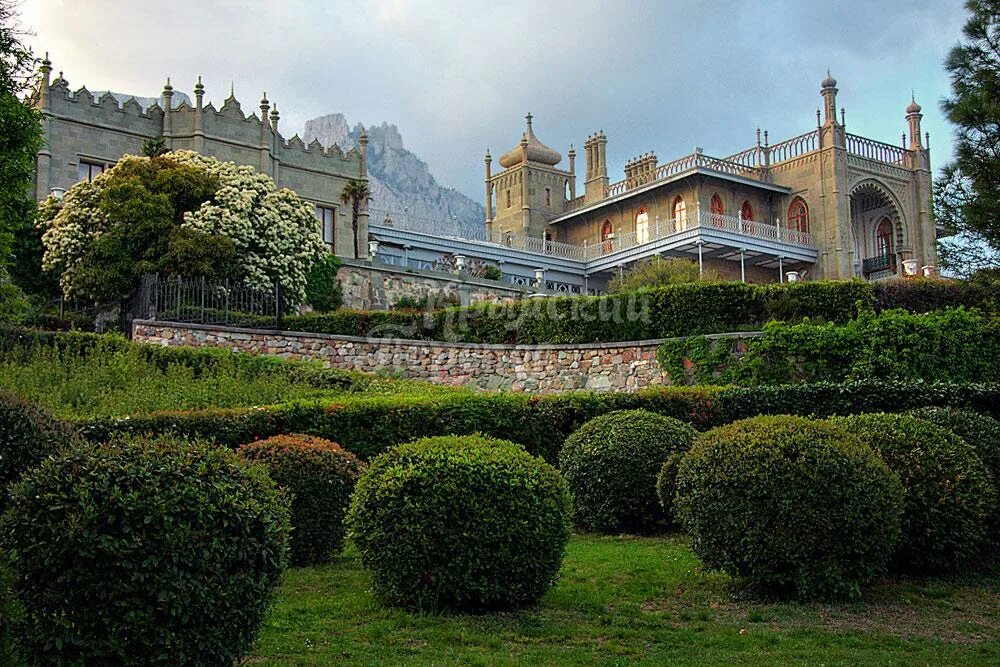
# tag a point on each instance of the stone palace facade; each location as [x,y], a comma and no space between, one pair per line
[85,135]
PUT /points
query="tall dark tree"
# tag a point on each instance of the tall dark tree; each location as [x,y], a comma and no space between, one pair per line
[967,195]
[20,130]
[354,193]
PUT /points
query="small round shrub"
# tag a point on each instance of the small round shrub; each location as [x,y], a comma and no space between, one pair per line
[144,552]
[319,475]
[460,522]
[791,505]
[949,496]
[28,434]
[611,464]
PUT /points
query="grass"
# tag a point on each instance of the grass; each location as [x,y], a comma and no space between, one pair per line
[634,600]
[111,377]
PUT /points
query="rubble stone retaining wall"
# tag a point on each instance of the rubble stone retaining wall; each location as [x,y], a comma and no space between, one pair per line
[368,286]
[535,368]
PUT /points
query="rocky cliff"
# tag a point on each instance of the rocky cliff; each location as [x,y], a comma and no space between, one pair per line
[398,179]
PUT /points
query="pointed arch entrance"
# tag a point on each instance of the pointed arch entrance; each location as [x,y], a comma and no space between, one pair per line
[878,232]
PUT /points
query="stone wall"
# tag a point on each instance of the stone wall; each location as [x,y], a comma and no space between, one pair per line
[368,286]
[533,368]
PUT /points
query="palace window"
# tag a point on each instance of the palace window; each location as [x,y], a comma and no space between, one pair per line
[883,238]
[680,213]
[326,216]
[746,211]
[798,216]
[642,226]
[86,171]
[548,196]
[508,198]
[606,236]
[717,207]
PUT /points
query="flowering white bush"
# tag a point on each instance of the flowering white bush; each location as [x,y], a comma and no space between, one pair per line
[275,234]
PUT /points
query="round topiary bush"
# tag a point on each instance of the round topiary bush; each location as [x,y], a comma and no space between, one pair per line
[144,552]
[320,476]
[611,464]
[949,496]
[27,435]
[791,505]
[460,522]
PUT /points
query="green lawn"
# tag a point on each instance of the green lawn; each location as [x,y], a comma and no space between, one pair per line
[635,600]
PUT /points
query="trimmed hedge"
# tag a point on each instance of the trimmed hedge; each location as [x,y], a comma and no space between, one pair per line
[953,345]
[460,523]
[144,552]
[368,426]
[949,495]
[27,435]
[320,476]
[663,312]
[789,504]
[922,295]
[611,464]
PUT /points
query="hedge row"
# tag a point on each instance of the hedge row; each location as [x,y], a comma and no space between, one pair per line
[368,426]
[954,345]
[664,312]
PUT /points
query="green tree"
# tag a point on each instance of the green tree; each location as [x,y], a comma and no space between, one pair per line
[355,192]
[20,132]
[659,271]
[967,195]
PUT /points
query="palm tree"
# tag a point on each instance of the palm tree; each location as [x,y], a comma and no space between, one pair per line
[355,192]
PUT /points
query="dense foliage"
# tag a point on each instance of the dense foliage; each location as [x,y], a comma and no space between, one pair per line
[948,492]
[319,476]
[368,425]
[982,433]
[80,375]
[144,552]
[460,523]
[953,345]
[674,310]
[611,464]
[659,271]
[181,213]
[967,196]
[27,435]
[323,291]
[666,485]
[791,505]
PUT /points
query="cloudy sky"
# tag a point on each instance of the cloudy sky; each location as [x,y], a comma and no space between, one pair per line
[457,76]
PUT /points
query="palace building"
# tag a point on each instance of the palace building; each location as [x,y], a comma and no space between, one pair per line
[85,135]
[827,204]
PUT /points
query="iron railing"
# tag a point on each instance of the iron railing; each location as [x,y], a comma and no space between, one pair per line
[199,300]
[875,264]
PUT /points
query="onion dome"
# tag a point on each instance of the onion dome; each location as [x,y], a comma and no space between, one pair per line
[536,150]
[913,107]
[829,81]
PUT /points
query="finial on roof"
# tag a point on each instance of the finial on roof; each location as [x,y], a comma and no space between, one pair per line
[913,107]
[46,63]
[232,89]
[199,88]
[274,113]
[829,81]
[487,157]
[528,118]
[263,101]
[167,88]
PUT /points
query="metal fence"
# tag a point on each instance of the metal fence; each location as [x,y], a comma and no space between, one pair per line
[204,301]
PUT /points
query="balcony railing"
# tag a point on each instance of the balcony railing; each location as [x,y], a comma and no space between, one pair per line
[414,223]
[876,150]
[876,264]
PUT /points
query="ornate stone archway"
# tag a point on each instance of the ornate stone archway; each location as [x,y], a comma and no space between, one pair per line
[871,202]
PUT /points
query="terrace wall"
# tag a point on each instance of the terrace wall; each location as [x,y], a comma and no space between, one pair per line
[625,366]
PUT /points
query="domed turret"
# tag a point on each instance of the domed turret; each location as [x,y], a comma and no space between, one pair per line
[829,81]
[913,107]
[536,150]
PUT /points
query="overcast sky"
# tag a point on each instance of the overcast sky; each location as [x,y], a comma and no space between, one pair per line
[457,76]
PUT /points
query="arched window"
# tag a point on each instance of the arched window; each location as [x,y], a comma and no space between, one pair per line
[642,226]
[680,213]
[718,210]
[798,216]
[606,236]
[746,211]
[883,238]
[508,198]
[566,190]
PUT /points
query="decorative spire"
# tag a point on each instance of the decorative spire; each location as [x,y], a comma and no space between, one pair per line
[528,118]
[829,81]
[274,116]
[46,64]
[487,157]
[232,89]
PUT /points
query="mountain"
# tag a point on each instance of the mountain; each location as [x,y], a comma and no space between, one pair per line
[398,179]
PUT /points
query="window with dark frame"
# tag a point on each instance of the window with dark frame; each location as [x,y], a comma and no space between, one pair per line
[86,170]
[327,219]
